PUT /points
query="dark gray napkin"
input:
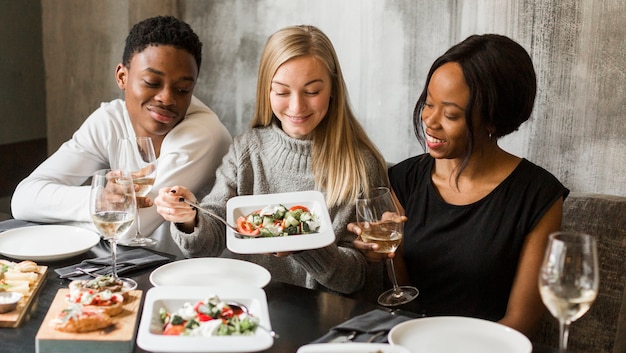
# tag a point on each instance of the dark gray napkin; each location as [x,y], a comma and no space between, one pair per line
[372,326]
[127,261]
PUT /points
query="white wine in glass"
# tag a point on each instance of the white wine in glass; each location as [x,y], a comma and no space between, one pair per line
[137,156]
[569,278]
[375,213]
[113,208]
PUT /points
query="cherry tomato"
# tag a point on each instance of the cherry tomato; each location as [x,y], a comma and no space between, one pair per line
[174,330]
[247,228]
[303,208]
[227,312]
[202,317]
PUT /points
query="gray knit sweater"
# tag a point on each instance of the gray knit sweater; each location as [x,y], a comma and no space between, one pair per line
[266,160]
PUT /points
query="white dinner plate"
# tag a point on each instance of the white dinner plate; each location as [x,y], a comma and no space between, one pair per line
[149,336]
[354,347]
[244,205]
[46,242]
[447,334]
[210,271]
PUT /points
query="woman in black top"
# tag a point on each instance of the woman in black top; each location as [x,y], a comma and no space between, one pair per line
[478,217]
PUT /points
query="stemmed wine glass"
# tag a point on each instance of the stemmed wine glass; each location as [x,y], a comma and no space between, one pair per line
[569,279]
[375,213]
[113,208]
[137,156]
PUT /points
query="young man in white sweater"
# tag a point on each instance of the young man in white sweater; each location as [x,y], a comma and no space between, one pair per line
[158,74]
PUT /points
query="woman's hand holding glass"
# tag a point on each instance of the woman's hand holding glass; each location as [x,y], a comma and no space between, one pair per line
[371,250]
[381,223]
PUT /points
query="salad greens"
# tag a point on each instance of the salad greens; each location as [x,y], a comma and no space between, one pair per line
[277,220]
[209,317]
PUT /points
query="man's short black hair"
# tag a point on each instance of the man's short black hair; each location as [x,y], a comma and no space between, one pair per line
[162,30]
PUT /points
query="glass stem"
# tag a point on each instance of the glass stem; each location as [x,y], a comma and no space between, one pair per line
[563,335]
[113,257]
[391,271]
[138,233]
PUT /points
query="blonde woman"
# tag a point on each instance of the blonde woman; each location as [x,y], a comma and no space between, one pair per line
[304,136]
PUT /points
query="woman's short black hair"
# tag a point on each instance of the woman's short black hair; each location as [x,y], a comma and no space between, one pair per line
[165,30]
[501,80]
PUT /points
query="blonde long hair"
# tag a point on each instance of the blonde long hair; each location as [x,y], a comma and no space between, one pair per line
[338,164]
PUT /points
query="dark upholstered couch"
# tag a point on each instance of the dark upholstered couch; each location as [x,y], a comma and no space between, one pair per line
[603,328]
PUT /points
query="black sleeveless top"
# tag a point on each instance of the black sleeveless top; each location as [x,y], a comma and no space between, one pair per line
[463,259]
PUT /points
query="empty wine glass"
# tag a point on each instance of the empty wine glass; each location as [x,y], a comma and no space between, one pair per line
[137,156]
[569,279]
[113,207]
[375,213]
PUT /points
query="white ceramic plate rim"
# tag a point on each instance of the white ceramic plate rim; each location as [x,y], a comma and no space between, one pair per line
[210,271]
[439,334]
[243,205]
[46,242]
[253,297]
[354,347]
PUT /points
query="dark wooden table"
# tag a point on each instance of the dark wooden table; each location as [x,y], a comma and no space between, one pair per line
[299,315]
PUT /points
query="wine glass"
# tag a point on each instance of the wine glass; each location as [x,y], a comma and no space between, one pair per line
[113,208]
[569,279]
[137,156]
[375,212]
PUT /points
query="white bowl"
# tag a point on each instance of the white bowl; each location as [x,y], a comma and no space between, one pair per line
[8,301]
[447,334]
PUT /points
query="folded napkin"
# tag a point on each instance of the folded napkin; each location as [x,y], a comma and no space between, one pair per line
[127,261]
[372,326]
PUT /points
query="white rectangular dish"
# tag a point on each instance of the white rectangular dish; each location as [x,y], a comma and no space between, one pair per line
[244,205]
[351,347]
[149,336]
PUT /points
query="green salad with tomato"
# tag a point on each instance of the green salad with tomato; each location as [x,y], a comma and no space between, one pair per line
[209,317]
[278,221]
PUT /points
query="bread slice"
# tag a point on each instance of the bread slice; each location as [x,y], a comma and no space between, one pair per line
[100,283]
[80,319]
[105,301]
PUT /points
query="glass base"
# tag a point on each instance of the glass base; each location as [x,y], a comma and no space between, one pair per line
[137,242]
[129,284]
[403,295]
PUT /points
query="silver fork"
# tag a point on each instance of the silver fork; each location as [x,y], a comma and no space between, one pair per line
[79,270]
[244,308]
[212,214]
[88,271]
[376,335]
[343,339]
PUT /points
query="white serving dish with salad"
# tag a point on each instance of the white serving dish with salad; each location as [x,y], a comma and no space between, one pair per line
[304,236]
[177,299]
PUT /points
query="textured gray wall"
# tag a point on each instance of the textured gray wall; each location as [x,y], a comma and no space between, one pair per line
[578,128]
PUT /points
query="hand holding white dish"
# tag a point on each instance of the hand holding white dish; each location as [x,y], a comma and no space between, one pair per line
[244,205]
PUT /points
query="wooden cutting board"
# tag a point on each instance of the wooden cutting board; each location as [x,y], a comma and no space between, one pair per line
[119,338]
[15,317]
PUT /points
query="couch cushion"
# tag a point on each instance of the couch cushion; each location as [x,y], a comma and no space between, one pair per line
[603,328]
